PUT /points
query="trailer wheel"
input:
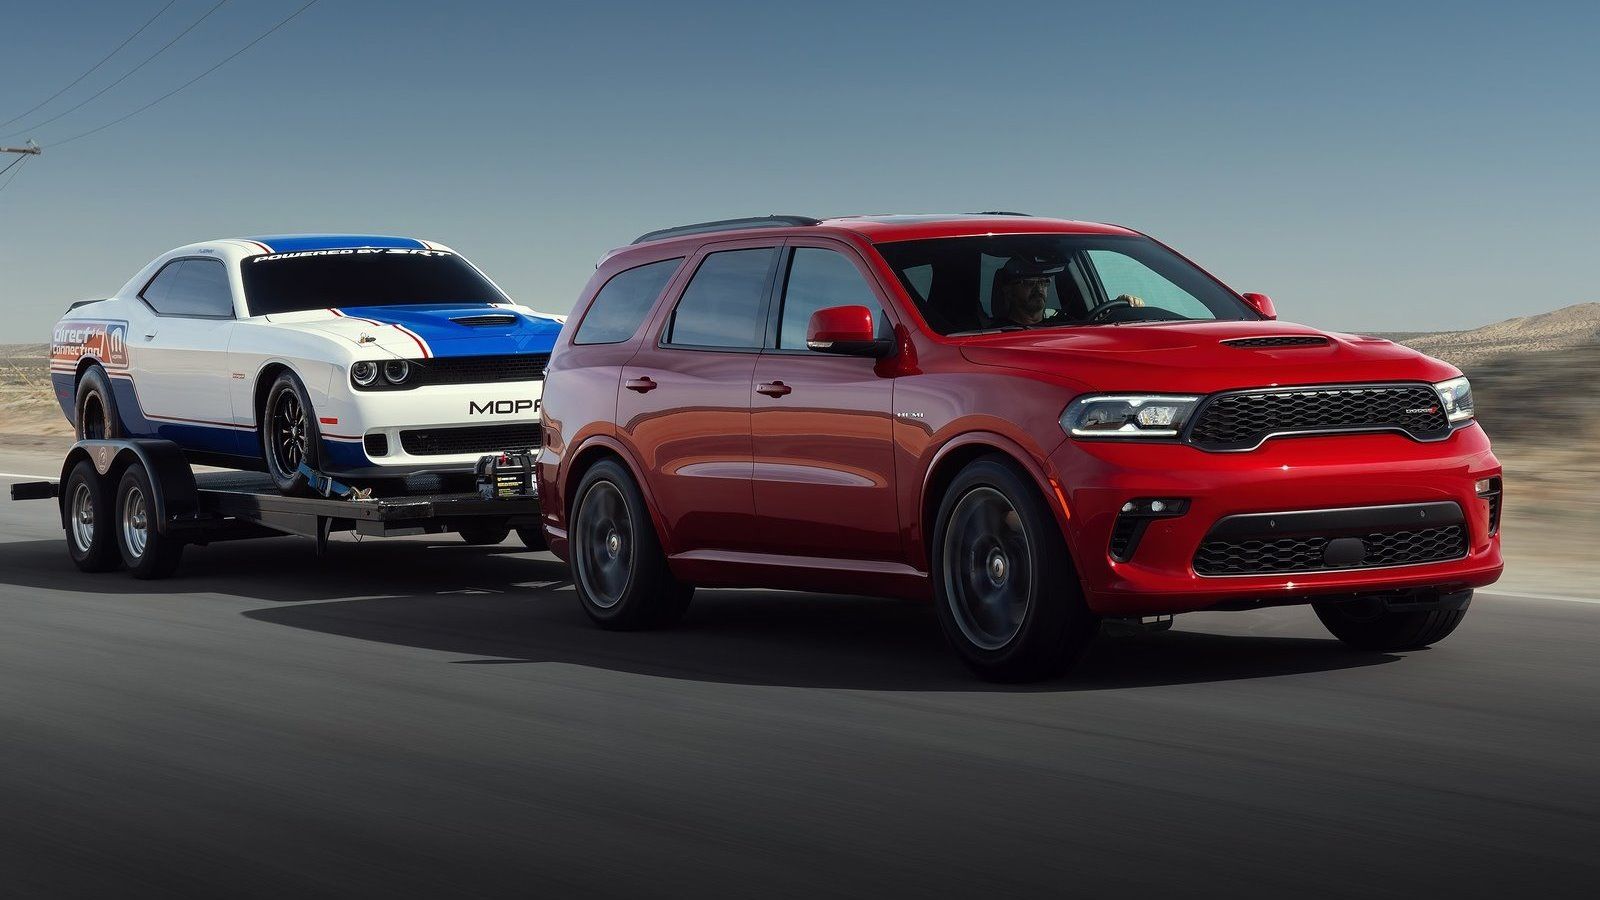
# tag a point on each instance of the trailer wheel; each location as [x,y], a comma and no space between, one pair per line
[146,551]
[88,517]
[533,538]
[483,534]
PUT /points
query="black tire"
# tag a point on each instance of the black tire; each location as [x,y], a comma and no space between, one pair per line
[289,433]
[95,414]
[1008,598]
[483,534]
[618,568]
[532,537]
[89,517]
[146,551]
[1367,625]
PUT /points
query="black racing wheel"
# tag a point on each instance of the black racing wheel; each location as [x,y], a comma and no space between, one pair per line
[289,434]
[95,411]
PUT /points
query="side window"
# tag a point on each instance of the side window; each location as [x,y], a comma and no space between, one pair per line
[191,287]
[624,301]
[725,303]
[819,279]
[1124,277]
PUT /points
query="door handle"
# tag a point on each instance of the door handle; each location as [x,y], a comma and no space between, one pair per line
[773,388]
[149,335]
[644,384]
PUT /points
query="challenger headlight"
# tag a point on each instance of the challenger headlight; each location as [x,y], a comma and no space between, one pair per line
[364,373]
[1128,416]
[1455,396]
[396,371]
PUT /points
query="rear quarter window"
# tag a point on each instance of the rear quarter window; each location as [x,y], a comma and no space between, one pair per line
[622,304]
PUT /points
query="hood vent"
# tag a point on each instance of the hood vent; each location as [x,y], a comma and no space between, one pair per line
[1284,340]
[487,319]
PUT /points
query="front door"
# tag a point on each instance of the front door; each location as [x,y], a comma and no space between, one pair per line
[822,425]
[178,360]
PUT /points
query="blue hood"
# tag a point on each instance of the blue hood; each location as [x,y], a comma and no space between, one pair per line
[448,329]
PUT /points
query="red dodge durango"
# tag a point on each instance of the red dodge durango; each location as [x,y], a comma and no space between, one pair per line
[1037,424]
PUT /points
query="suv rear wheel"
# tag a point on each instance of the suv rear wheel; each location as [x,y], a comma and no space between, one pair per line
[618,567]
[1007,596]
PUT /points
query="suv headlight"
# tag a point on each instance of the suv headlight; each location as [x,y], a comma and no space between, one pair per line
[1456,397]
[1128,416]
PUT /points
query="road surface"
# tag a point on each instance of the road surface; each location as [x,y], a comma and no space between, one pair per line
[421,717]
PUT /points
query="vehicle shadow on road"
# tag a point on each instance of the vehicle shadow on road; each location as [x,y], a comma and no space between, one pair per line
[499,606]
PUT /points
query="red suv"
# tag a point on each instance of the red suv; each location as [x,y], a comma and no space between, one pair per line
[1036,423]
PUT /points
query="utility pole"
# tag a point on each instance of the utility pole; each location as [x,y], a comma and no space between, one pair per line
[30,149]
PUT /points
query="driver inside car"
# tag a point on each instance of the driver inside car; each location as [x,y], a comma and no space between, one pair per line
[1022,289]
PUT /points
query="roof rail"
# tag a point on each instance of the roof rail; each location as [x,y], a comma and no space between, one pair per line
[726,225]
[1002,212]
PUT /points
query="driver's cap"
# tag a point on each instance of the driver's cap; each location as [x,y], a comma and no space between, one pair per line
[1019,267]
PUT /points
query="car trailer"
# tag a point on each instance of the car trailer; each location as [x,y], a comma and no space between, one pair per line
[136,503]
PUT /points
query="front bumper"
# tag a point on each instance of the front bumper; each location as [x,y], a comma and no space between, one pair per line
[1284,474]
[362,422]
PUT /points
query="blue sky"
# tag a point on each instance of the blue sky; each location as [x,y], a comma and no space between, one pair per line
[1370,166]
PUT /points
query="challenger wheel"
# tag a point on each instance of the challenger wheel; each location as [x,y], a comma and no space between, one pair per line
[618,568]
[289,434]
[95,412]
[1368,625]
[89,511]
[483,535]
[1008,598]
[146,550]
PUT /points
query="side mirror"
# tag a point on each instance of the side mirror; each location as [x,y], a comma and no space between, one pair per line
[1262,304]
[846,330]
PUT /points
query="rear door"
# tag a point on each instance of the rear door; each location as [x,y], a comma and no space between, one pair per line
[179,357]
[822,425]
[684,401]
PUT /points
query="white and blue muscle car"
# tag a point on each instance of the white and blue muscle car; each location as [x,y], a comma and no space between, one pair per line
[361,356]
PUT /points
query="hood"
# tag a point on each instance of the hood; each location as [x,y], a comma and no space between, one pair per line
[422,331]
[1202,357]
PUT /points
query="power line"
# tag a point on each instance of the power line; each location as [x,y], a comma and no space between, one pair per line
[125,75]
[18,166]
[259,38]
[92,68]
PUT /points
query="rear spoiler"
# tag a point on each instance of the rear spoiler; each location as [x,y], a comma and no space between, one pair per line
[78,303]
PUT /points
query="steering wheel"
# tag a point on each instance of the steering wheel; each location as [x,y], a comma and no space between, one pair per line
[1099,312]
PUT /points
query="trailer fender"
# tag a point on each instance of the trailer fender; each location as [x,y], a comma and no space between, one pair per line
[171,479]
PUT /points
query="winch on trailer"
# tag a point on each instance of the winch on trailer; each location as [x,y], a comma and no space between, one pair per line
[138,503]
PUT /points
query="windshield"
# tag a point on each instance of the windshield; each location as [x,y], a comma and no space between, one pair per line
[365,276]
[1000,282]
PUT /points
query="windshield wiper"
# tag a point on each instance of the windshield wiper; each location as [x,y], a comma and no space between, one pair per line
[995,330]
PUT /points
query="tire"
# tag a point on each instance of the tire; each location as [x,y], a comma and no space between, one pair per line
[532,537]
[1367,625]
[483,534]
[91,538]
[146,551]
[1008,598]
[618,568]
[95,414]
[289,433]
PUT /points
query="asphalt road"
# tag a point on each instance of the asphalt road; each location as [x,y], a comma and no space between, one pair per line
[422,717]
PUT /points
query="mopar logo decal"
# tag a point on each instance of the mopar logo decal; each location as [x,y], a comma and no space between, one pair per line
[501,407]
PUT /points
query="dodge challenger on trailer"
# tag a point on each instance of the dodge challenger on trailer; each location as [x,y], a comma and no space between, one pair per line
[356,355]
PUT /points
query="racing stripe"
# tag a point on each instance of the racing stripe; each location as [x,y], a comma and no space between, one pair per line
[421,344]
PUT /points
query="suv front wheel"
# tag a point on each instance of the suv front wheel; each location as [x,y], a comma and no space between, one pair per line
[1008,598]
[618,568]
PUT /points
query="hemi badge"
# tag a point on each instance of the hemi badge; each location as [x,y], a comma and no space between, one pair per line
[328,421]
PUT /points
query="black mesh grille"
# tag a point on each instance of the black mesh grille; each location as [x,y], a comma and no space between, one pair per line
[470,370]
[476,439]
[1304,554]
[376,444]
[1288,340]
[1243,420]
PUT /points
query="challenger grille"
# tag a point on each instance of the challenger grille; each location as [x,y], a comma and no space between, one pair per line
[473,439]
[469,370]
[1272,556]
[1243,419]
